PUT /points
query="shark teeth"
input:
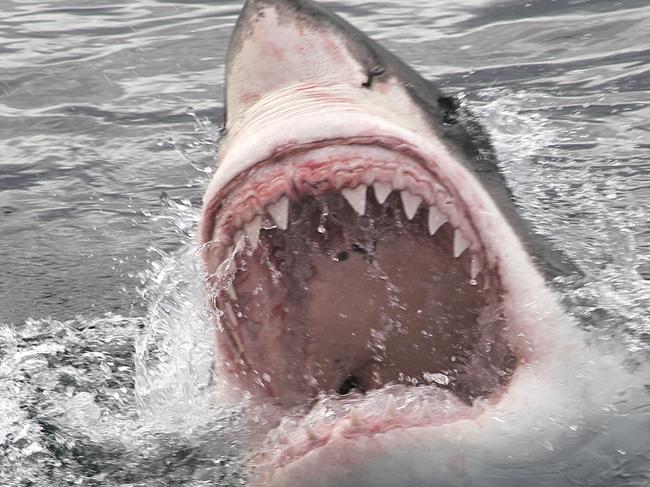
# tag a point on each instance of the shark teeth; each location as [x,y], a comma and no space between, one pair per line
[356,420]
[310,432]
[279,211]
[252,230]
[382,191]
[230,290]
[460,243]
[234,335]
[474,268]
[440,212]
[356,197]
[436,220]
[411,203]
[391,406]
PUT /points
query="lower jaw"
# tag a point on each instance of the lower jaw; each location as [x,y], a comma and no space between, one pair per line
[345,450]
[452,444]
[379,412]
[525,436]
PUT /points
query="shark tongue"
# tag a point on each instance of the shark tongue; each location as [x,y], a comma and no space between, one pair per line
[337,299]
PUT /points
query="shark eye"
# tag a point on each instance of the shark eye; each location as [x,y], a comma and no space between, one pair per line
[449,105]
[372,74]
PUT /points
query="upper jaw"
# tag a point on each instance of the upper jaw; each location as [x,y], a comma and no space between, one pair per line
[351,166]
[304,117]
[305,114]
[316,122]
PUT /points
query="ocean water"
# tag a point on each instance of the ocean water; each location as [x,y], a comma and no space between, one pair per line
[109,122]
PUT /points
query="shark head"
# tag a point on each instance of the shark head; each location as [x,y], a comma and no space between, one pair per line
[371,277]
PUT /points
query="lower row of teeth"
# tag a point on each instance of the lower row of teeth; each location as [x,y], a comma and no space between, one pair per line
[279,218]
[357,418]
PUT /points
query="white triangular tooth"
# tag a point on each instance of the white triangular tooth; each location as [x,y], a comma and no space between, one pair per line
[310,432]
[411,202]
[355,418]
[382,191]
[391,406]
[436,220]
[252,229]
[232,327]
[227,309]
[356,197]
[238,248]
[230,290]
[279,211]
[460,243]
[238,343]
[474,267]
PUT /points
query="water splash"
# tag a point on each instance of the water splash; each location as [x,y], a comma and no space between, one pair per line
[564,194]
[121,399]
[79,406]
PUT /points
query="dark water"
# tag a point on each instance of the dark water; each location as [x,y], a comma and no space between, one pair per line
[109,116]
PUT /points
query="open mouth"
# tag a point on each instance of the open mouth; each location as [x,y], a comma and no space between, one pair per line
[351,271]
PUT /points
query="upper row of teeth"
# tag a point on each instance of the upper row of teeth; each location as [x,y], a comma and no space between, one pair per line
[357,197]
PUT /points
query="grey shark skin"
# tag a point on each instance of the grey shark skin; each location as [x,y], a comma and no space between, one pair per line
[374,285]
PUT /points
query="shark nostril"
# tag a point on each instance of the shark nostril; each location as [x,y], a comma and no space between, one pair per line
[349,384]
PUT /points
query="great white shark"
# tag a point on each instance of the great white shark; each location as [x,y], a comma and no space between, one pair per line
[375,286]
